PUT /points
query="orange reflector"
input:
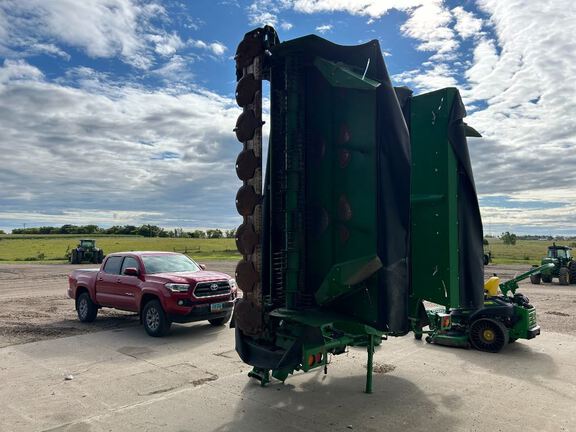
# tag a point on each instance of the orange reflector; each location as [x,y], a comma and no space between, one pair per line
[319,357]
[311,360]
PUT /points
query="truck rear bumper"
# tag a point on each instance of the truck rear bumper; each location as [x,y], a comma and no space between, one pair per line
[533,332]
[202,312]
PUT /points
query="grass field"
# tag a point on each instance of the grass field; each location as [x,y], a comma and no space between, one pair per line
[52,248]
[524,251]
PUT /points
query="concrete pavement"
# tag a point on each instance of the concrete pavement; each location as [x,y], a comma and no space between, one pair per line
[192,380]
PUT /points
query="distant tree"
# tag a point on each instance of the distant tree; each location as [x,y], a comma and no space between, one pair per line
[231,233]
[178,232]
[197,234]
[508,238]
[214,233]
[2,232]
[485,242]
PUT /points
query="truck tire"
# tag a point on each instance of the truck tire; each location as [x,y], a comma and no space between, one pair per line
[488,335]
[572,268]
[217,322]
[100,256]
[86,308]
[564,276]
[535,279]
[154,319]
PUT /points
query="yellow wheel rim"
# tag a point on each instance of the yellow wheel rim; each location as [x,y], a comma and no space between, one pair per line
[488,335]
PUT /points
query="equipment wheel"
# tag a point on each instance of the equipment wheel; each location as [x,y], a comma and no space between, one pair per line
[154,318]
[217,322]
[418,336]
[546,278]
[74,257]
[572,268]
[86,308]
[564,276]
[100,256]
[488,335]
[535,278]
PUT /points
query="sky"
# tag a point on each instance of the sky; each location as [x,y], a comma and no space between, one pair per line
[120,112]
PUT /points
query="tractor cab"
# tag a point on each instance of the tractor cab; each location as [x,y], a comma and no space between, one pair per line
[87,244]
[559,252]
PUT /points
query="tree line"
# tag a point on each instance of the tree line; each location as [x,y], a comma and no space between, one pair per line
[142,230]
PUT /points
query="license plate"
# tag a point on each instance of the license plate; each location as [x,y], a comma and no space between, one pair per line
[216,307]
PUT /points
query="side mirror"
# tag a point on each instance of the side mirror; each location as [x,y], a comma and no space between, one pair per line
[202,266]
[131,271]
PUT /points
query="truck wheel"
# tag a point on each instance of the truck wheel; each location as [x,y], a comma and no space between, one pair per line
[488,335]
[535,279]
[86,308]
[154,318]
[572,271]
[220,321]
[564,276]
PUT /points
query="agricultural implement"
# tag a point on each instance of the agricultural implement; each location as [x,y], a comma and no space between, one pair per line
[503,319]
[362,181]
[563,266]
[86,251]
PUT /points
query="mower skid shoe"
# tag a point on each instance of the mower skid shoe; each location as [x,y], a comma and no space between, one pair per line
[262,375]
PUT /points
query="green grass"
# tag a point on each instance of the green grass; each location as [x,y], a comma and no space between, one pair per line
[523,252]
[52,248]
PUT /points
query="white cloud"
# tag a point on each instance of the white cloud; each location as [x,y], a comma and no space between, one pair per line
[215,48]
[438,76]
[176,70]
[522,81]
[324,28]
[166,44]
[371,8]
[111,148]
[284,25]
[14,70]
[101,28]
[467,25]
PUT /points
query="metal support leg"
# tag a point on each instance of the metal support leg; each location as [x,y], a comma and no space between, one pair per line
[370,364]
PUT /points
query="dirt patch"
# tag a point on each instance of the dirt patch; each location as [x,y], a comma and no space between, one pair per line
[383,368]
[557,313]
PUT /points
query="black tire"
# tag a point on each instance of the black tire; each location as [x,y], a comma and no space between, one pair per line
[154,319]
[546,278]
[512,340]
[418,336]
[564,276]
[535,278]
[488,335]
[74,257]
[486,259]
[86,308]
[100,256]
[217,322]
[572,268]
[79,256]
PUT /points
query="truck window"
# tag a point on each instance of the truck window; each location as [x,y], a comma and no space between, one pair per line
[113,265]
[129,262]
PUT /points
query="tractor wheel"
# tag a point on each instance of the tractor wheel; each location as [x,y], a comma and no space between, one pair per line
[74,257]
[488,335]
[572,268]
[546,278]
[535,279]
[79,256]
[486,259]
[564,276]
[100,256]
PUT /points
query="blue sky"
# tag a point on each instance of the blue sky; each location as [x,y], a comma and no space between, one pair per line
[121,111]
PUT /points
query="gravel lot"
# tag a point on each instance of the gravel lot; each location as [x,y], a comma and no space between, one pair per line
[34,305]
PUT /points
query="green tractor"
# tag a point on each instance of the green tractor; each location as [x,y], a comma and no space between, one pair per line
[564,266]
[86,251]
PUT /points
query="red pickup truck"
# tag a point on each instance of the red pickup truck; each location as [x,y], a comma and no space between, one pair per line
[163,287]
